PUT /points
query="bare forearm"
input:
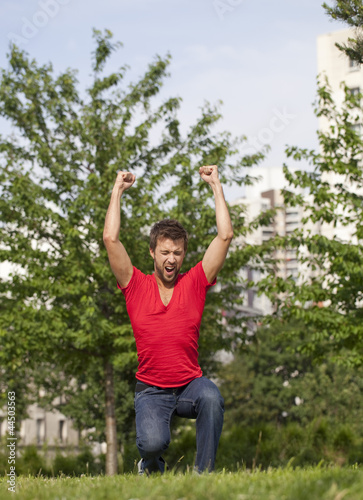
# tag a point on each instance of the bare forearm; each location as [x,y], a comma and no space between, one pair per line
[119,260]
[224,223]
[111,230]
[216,253]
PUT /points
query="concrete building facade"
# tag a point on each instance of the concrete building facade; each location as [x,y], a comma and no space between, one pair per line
[42,427]
[334,65]
[285,222]
[339,69]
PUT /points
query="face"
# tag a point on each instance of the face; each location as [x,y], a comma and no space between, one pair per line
[168,258]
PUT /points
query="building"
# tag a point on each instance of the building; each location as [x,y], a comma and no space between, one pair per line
[334,65]
[42,427]
[339,69]
[285,222]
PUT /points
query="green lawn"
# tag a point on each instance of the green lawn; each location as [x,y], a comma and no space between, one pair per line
[279,484]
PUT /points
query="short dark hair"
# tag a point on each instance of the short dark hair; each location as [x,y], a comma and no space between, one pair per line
[168,228]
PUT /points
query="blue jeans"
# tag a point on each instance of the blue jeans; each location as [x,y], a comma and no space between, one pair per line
[155,407]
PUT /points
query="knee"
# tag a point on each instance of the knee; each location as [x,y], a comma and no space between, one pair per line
[211,399]
[150,446]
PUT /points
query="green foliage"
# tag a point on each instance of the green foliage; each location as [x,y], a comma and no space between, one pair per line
[262,381]
[351,13]
[332,190]
[282,408]
[28,462]
[268,445]
[76,464]
[31,462]
[63,319]
[328,302]
[264,445]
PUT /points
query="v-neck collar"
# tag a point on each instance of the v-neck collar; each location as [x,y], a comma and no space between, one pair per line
[158,292]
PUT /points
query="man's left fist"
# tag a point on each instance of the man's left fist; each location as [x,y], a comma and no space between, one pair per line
[209,173]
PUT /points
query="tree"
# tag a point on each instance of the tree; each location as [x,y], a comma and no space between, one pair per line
[330,301]
[63,320]
[282,407]
[259,385]
[270,382]
[351,13]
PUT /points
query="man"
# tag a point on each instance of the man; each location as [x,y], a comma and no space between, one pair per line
[165,310]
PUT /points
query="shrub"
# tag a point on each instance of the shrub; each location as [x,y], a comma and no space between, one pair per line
[320,431]
[76,464]
[344,438]
[3,463]
[31,462]
[293,437]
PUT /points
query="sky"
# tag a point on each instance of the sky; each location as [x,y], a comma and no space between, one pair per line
[257,57]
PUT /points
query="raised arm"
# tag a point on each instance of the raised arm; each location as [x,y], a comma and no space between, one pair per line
[216,253]
[119,260]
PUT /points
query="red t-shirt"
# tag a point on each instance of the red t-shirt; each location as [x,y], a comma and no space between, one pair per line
[167,336]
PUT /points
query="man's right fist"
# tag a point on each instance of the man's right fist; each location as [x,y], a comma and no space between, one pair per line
[124,180]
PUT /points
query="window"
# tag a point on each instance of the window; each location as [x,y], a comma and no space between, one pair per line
[353,65]
[40,430]
[62,425]
[354,91]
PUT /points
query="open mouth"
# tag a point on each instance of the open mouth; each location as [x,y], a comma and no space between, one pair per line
[169,270]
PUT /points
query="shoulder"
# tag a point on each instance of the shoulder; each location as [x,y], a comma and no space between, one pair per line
[197,275]
[138,278]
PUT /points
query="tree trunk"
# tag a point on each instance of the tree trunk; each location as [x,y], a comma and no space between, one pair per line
[111,435]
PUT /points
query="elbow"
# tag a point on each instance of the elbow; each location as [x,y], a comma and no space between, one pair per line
[108,238]
[228,237]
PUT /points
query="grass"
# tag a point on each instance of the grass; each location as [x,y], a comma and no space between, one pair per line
[315,483]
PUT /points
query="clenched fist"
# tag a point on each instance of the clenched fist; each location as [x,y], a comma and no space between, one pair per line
[124,180]
[209,174]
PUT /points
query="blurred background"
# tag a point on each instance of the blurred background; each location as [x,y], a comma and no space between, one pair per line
[283,345]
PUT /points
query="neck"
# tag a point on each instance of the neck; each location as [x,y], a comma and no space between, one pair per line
[161,283]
